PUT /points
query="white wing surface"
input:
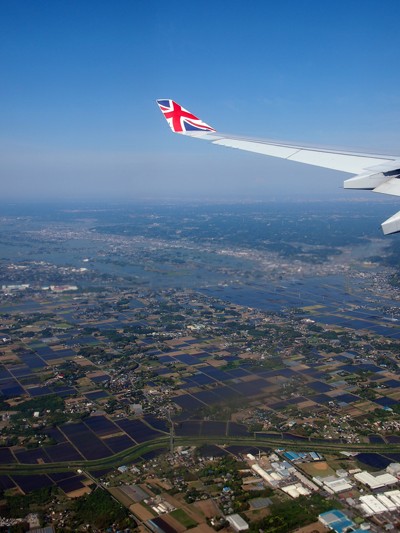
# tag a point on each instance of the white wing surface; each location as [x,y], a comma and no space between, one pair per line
[379,173]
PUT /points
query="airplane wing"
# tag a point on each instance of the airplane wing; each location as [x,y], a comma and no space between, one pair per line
[379,173]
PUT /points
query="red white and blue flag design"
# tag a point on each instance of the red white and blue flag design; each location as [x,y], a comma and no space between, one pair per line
[180,119]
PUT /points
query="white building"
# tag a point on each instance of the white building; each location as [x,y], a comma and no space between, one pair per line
[296,490]
[63,288]
[373,503]
[333,484]
[237,523]
[367,511]
[375,482]
[264,475]
[394,495]
[337,485]
[393,469]
[386,502]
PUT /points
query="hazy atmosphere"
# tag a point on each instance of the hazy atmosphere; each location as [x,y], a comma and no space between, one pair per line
[193,337]
[80,79]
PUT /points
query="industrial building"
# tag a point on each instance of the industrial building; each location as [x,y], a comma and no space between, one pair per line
[296,490]
[393,469]
[333,484]
[380,503]
[375,482]
[237,523]
[265,475]
[394,495]
[373,503]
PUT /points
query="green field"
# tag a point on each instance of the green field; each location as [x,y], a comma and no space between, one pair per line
[183,518]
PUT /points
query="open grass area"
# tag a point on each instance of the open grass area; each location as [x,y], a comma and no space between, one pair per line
[319,468]
[183,518]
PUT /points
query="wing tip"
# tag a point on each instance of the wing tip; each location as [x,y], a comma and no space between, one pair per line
[180,119]
[391,225]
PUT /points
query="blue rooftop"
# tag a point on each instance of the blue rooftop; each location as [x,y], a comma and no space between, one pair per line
[337,521]
[292,456]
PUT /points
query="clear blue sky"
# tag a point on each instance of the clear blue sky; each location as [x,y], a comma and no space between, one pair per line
[79,80]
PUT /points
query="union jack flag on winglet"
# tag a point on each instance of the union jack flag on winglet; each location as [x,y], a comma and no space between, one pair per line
[181,120]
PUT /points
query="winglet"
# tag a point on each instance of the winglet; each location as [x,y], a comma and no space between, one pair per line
[181,120]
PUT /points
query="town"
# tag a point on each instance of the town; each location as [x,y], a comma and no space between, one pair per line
[156,387]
